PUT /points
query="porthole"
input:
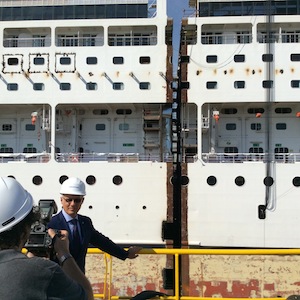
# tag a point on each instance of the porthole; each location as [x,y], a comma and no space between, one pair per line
[91,180]
[117,180]
[37,180]
[268,181]
[184,180]
[239,181]
[63,178]
[211,180]
[296,181]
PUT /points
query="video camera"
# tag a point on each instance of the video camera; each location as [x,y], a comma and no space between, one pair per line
[39,241]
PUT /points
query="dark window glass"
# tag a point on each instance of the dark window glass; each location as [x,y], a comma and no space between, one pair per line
[256,110]
[65,60]
[239,84]
[295,57]
[65,86]
[13,61]
[267,84]
[38,87]
[211,180]
[91,60]
[239,58]
[283,110]
[210,85]
[39,61]
[124,111]
[267,57]
[255,126]
[268,181]
[118,60]
[91,86]
[30,127]
[239,181]
[6,127]
[295,83]
[100,126]
[12,87]
[145,60]
[211,59]
[118,86]
[281,126]
[144,85]
[230,126]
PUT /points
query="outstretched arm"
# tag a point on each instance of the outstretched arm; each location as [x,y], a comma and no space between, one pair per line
[133,251]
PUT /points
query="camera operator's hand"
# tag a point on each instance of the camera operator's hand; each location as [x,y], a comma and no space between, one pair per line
[67,262]
[60,241]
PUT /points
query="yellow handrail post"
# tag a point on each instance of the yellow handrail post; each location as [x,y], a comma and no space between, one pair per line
[177,279]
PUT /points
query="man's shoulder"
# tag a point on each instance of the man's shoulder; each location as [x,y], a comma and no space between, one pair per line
[84,218]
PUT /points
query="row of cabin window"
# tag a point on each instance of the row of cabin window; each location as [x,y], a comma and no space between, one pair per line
[98,127]
[240,84]
[40,61]
[256,150]
[90,86]
[240,58]
[255,126]
[11,150]
[255,110]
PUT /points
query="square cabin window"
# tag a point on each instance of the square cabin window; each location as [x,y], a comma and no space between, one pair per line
[295,83]
[267,84]
[239,84]
[144,60]
[118,60]
[39,61]
[281,126]
[12,86]
[267,57]
[211,59]
[65,86]
[211,85]
[118,86]
[91,86]
[144,85]
[295,57]
[239,58]
[38,86]
[65,60]
[91,60]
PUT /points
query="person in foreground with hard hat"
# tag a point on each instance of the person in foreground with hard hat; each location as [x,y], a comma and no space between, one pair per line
[80,228]
[27,278]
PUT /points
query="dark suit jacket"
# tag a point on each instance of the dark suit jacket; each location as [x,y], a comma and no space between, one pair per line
[89,236]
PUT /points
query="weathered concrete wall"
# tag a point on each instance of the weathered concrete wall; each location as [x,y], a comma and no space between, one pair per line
[209,276]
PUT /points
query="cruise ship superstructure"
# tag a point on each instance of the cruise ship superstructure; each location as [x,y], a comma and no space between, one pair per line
[240,64]
[86,92]
[203,157]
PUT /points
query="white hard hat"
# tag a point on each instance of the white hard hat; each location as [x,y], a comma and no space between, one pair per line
[73,186]
[15,203]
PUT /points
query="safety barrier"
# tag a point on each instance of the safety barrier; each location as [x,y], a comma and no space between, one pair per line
[177,253]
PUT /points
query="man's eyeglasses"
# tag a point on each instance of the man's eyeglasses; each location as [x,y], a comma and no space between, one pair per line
[76,200]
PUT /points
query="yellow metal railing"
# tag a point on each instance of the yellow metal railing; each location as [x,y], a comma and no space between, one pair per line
[176,253]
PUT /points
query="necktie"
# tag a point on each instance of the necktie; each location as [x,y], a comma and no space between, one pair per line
[75,242]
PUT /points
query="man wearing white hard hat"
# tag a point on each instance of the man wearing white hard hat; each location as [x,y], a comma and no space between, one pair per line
[27,278]
[80,228]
